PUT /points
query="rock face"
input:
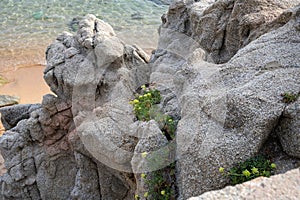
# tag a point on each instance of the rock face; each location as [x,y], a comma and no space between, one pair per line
[226,26]
[288,129]
[43,149]
[85,143]
[260,188]
[227,111]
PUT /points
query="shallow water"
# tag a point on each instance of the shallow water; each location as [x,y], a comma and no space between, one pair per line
[28,26]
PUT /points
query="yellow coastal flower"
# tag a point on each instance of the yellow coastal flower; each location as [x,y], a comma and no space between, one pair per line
[170,120]
[246,173]
[221,169]
[163,192]
[146,194]
[136,101]
[141,96]
[254,170]
[143,175]
[143,87]
[149,94]
[145,95]
[144,154]
[136,196]
[273,165]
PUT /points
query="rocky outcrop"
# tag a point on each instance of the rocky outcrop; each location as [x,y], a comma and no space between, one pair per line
[226,26]
[228,111]
[260,188]
[44,152]
[84,142]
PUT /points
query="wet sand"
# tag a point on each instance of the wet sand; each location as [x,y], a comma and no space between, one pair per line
[27,83]
[23,68]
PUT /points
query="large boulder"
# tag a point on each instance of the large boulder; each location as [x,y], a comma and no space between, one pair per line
[228,112]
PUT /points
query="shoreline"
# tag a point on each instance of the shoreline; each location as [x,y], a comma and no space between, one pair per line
[26,82]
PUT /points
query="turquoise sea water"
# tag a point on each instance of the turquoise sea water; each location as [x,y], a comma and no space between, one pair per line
[30,24]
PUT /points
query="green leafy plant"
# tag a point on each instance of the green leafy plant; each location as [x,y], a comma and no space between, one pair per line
[289,97]
[145,108]
[170,127]
[250,169]
[160,183]
[144,102]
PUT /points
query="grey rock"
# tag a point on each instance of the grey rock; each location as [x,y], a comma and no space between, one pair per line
[227,111]
[11,115]
[228,25]
[87,181]
[115,184]
[282,186]
[288,129]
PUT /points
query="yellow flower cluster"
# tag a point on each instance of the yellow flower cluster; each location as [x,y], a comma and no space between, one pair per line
[145,95]
[221,169]
[246,173]
[143,175]
[273,165]
[144,154]
[146,194]
[254,170]
[136,101]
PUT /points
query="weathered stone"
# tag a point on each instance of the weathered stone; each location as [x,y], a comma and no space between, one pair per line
[11,115]
[288,129]
[87,181]
[228,25]
[227,111]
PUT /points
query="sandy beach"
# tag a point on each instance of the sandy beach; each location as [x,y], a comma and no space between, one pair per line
[24,73]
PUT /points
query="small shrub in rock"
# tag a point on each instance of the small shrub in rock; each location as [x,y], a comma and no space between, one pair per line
[250,169]
[145,107]
[144,102]
[160,183]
